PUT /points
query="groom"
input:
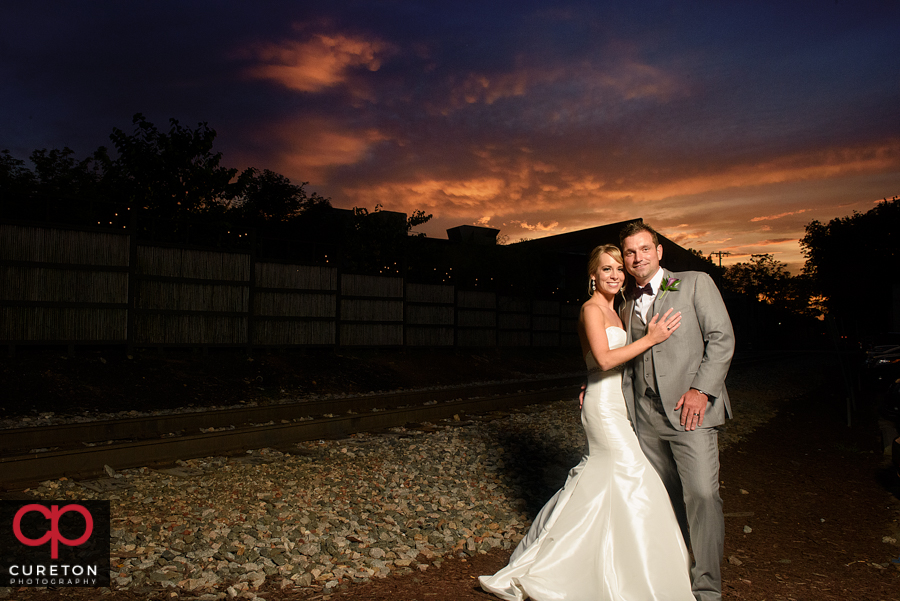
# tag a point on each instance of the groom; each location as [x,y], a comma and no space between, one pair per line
[676,397]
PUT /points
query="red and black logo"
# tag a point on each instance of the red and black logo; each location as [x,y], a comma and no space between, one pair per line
[54,543]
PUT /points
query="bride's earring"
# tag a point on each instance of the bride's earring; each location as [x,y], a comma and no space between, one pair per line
[593,285]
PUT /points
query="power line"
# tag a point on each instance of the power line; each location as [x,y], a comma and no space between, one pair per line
[720,254]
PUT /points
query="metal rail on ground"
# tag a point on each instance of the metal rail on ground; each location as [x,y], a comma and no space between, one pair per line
[145,447]
[86,462]
[146,427]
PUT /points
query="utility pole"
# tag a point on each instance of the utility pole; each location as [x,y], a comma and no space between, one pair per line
[720,254]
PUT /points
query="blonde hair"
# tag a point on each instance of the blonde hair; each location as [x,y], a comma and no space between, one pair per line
[594,260]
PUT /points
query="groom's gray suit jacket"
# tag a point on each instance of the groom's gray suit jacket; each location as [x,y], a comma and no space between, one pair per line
[697,355]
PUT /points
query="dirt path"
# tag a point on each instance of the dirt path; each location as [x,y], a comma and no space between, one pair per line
[817,497]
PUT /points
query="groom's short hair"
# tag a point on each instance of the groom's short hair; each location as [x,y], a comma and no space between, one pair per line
[636,227]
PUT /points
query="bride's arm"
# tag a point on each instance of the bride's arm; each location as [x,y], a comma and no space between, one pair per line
[595,324]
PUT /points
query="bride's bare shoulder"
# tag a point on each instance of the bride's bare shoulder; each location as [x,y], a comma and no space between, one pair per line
[590,303]
[591,308]
[594,315]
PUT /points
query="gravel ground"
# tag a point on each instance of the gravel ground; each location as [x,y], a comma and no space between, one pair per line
[323,514]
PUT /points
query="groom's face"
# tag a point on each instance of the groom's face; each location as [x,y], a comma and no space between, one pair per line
[641,257]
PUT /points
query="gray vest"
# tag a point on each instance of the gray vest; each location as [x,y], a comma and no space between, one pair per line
[644,372]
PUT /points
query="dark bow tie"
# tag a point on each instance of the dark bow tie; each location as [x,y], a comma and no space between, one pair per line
[642,290]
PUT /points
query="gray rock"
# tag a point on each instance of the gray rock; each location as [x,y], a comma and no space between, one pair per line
[310,549]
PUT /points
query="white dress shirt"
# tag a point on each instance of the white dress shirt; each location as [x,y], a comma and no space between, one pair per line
[643,303]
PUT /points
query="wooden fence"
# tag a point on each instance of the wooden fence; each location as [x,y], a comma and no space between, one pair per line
[74,287]
[63,286]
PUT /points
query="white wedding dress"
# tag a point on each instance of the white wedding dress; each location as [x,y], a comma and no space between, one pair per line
[609,533]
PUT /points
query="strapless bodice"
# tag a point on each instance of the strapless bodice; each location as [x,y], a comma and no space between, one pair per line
[617,338]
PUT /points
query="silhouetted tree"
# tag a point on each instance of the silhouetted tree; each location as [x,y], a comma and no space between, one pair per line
[60,187]
[171,185]
[762,278]
[170,174]
[58,174]
[267,197]
[376,241]
[699,254]
[767,280]
[850,255]
[16,180]
[416,219]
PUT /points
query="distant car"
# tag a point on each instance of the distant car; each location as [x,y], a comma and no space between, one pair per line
[882,339]
[881,366]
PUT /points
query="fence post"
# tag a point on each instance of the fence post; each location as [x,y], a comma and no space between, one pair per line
[404,273]
[337,305]
[251,291]
[132,283]
[455,316]
[531,319]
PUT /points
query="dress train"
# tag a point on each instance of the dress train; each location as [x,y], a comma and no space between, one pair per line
[609,533]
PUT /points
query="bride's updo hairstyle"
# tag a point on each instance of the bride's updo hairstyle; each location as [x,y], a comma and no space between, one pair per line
[594,260]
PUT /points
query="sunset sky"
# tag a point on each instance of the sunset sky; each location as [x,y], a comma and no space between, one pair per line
[726,125]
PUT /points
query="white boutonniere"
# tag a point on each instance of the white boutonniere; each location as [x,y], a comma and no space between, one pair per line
[667,285]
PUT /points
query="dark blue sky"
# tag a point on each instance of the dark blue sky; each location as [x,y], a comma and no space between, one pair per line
[728,126]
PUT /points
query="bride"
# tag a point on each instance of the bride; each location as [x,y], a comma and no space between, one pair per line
[609,533]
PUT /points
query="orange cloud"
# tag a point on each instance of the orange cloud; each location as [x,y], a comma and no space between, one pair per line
[633,80]
[779,216]
[318,63]
[686,237]
[628,80]
[535,194]
[825,164]
[489,89]
[313,146]
[755,247]
[464,200]
[537,227]
[465,192]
